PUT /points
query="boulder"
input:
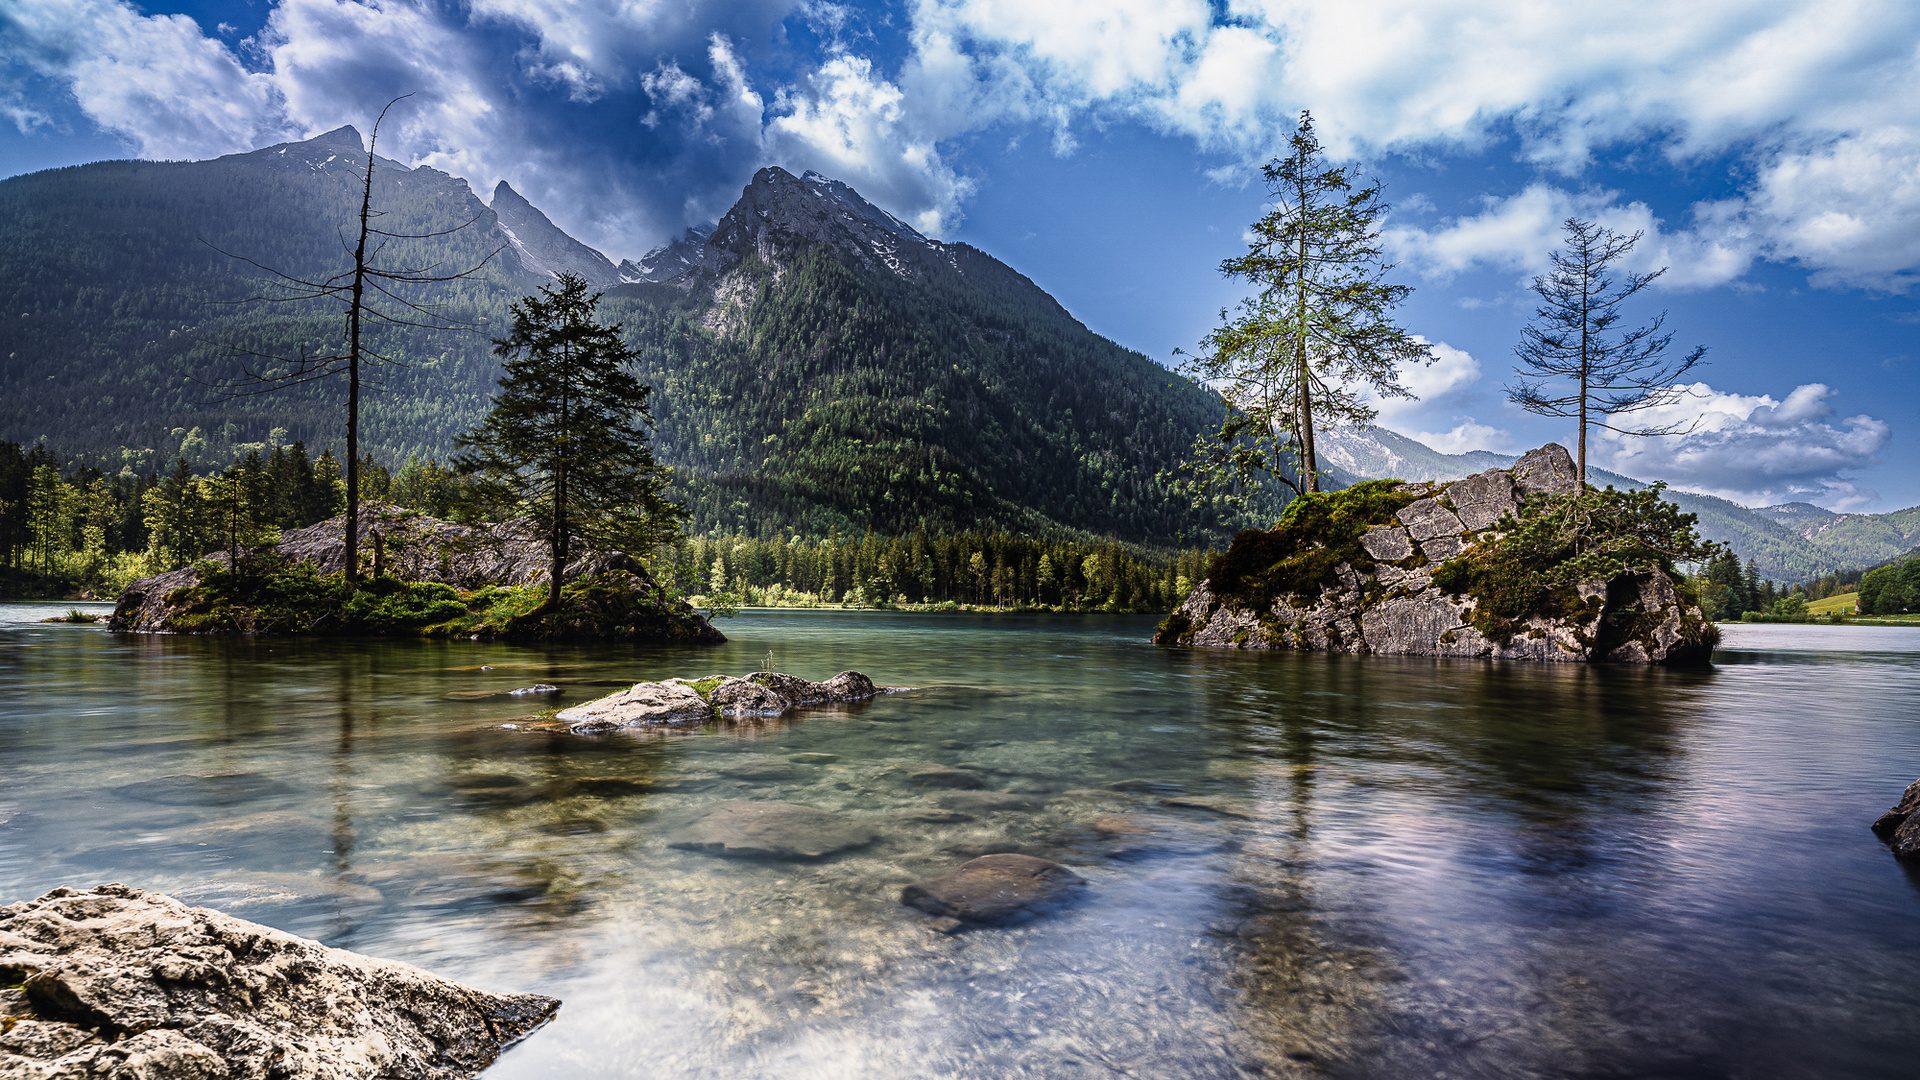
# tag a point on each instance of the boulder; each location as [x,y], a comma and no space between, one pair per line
[678,703]
[1427,519]
[1900,826]
[994,889]
[1387,543]
[674,703]
[123,983]
[772,830]
[1481,500]
[1547,470]
[1380,596]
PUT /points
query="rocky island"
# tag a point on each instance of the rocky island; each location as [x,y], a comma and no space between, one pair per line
[1521,563]
[426,577]
[118,982]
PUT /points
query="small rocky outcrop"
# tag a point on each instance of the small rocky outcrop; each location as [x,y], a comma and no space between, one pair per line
[610,594]
[1899,828]
[772,830]
[116,982]
[682,702]
[994,889]
[1376,573]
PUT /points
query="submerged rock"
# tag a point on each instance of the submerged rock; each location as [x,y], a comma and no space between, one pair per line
[217,789]
[994,889]
[773,830]
[1390,589]
[680,702]
[120,982]
[1900,826]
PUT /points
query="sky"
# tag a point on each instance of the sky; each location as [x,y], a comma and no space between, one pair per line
[1769,153]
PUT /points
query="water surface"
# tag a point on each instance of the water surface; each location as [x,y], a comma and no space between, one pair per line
[1299,865]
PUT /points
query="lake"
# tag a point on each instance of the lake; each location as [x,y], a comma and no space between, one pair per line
[1298,864]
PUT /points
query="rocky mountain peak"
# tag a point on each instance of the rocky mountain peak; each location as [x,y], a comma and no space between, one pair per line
[543,246]
[820,209]
[344,137]
[670,261]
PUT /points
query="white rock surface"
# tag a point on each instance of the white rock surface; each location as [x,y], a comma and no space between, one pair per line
[123,984]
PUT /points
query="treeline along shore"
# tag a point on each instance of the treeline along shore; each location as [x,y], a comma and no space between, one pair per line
[74,530]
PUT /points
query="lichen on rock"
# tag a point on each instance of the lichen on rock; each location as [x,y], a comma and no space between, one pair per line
[1517,563]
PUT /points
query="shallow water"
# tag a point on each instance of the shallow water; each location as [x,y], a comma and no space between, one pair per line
[1299,865]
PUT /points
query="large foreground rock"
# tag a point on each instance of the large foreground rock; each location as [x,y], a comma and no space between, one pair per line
[994,889]
[122,984]
[1900,826]
[773,830]
[680,702]
[1380,597]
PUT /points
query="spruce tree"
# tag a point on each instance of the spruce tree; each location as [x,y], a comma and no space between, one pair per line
[1303,350]
[568,437]
[1574,359]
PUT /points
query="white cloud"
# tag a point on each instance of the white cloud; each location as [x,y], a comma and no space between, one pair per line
[1752,449]
[1822,98]
[155,80]
[1440,390]
[1465,436]
[848,122]
[1517,232]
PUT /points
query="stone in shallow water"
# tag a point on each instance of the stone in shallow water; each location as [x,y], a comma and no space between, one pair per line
[942,776]
[813,759]
[772,830]
[124,983]
[217,789]
[988,800]
[668,704]
[994,889]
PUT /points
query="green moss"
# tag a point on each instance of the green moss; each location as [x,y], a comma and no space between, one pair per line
[706,687]
[1296,558]
[1175,629]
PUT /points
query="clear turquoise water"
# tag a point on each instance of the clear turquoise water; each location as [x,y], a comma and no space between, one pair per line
[1404,868]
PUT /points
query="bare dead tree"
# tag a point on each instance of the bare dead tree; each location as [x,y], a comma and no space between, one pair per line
[268,372]
[1574,337]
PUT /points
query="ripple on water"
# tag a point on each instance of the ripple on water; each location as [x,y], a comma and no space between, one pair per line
[1296,865]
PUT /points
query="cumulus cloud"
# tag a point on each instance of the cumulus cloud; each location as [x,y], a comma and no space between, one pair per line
[155,80]
[1440,391]
[1823,99]
[623,117]
[1753,449]
[1518,231]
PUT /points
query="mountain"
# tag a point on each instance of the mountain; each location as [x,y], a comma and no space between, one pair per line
[1789,542]
[669,261]
[823,363]
[543,247]
[819,363]
[123,286]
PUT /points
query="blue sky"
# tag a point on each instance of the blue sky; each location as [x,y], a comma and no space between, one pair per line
[1769,150]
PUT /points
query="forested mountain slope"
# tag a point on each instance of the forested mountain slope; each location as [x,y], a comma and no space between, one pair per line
[819,363]
[825,363]
[119,313]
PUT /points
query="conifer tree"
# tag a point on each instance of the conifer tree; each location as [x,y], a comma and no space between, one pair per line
[1303,350]
[568,437]
[1575,362]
